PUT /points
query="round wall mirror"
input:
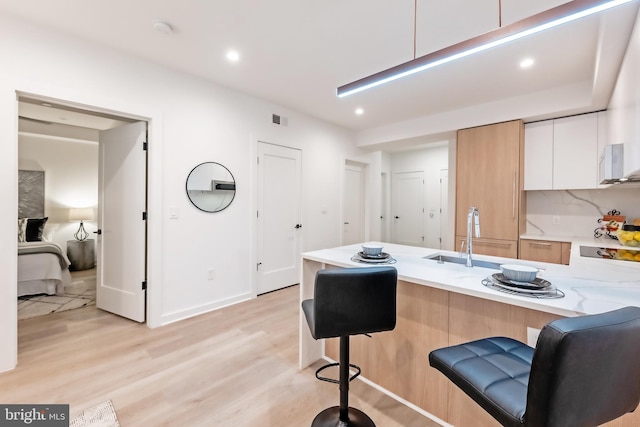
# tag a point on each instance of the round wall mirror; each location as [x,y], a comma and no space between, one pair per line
[211,187]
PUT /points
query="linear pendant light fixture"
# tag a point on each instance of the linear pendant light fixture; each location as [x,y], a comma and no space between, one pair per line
[553,17]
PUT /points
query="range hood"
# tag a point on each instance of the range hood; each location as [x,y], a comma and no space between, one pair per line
[612,166]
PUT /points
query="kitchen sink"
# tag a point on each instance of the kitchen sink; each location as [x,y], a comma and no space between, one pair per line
[440,258]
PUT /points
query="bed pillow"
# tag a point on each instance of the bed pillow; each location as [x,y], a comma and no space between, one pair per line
[22,229]
[35,228]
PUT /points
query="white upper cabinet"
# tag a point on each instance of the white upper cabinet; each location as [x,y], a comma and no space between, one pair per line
[538,155]
[515,10]
[562,154]
[575,152]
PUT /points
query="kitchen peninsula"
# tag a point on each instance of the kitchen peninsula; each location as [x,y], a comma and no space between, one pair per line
[445,304]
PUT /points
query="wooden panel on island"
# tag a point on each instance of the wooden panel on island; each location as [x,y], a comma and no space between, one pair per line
[397,360]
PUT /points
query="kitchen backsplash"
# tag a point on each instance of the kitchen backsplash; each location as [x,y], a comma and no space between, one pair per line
[575,213]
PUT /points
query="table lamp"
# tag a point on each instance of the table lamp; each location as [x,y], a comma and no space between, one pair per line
[81,214]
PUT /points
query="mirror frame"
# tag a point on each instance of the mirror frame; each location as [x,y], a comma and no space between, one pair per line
[194,202]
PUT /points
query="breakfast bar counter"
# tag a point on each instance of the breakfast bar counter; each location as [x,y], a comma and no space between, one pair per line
[441,304]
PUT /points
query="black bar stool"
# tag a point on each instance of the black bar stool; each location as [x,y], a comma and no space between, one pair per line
[349,301]
[584,372]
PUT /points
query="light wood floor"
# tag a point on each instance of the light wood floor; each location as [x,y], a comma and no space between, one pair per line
[232,367]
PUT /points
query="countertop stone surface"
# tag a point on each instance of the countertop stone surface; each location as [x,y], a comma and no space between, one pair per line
[590,285]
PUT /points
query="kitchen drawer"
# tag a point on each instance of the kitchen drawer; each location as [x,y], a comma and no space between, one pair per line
[492,247]
[545,251]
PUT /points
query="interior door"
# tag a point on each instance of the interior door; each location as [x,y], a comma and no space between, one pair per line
[353,205]
[279,226]
[121,266]
[408,208]
[444,209]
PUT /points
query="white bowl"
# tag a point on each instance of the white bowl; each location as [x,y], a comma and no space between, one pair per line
[519,273]
[372,249]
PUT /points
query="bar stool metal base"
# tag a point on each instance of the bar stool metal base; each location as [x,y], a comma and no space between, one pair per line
[330,417]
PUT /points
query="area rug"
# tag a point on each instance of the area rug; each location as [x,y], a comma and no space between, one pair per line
[102,415]
[80,293]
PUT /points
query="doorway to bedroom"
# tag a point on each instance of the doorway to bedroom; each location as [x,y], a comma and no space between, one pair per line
[85,158]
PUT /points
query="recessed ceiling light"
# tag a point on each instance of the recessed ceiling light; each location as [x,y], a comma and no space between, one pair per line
[526,63]
[163,27]
[233,55]
[359,111]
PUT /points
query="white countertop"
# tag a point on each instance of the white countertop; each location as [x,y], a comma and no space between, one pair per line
[590,285]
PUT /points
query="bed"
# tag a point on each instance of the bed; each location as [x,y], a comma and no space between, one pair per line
[43,268]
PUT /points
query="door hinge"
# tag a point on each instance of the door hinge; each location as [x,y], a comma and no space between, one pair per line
[258,266]
[258,160]
[257,214]
[145,146]
[144,285]
[144,216]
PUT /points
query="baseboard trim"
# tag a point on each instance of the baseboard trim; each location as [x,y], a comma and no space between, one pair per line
[176,316]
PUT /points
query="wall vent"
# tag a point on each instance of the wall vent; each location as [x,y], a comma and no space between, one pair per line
[277,120]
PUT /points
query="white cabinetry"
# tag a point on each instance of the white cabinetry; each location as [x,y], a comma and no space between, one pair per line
[562,154]
[624,108]
[538,155]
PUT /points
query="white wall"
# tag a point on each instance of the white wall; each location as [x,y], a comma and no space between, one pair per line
[71,180]
[190,121]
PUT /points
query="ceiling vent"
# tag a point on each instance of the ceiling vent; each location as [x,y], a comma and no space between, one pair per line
[278,120]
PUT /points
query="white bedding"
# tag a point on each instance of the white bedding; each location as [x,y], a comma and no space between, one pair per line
[42,273]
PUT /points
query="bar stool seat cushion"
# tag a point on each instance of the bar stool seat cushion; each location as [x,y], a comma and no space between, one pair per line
[494,372]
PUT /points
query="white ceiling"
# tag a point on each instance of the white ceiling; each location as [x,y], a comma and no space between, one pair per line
[297,52]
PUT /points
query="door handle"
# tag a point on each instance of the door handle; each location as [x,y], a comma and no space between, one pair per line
[298,226]
[98,232]
[396,217]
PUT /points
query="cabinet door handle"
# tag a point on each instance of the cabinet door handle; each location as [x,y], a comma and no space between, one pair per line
[513,196]
[540,244]
[479,242]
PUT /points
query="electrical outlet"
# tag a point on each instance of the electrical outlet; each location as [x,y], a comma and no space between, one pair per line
[211,274]
[555,220]
[532,336]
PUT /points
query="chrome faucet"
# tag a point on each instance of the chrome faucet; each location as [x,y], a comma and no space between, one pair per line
[472,218]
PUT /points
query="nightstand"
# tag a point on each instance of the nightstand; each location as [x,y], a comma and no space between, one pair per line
[82,254]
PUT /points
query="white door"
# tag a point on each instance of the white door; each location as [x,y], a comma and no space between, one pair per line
[384,207]
[408,208]
[444,210]
[353,205]
[121,266]
[279,227]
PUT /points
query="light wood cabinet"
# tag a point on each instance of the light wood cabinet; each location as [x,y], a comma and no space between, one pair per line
[488,164]
[545,251]
[563,154]
[491,247]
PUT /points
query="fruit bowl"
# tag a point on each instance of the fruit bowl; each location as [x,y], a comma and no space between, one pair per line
[629,236]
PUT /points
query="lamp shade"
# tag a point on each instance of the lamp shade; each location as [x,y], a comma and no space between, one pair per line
[81,214]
